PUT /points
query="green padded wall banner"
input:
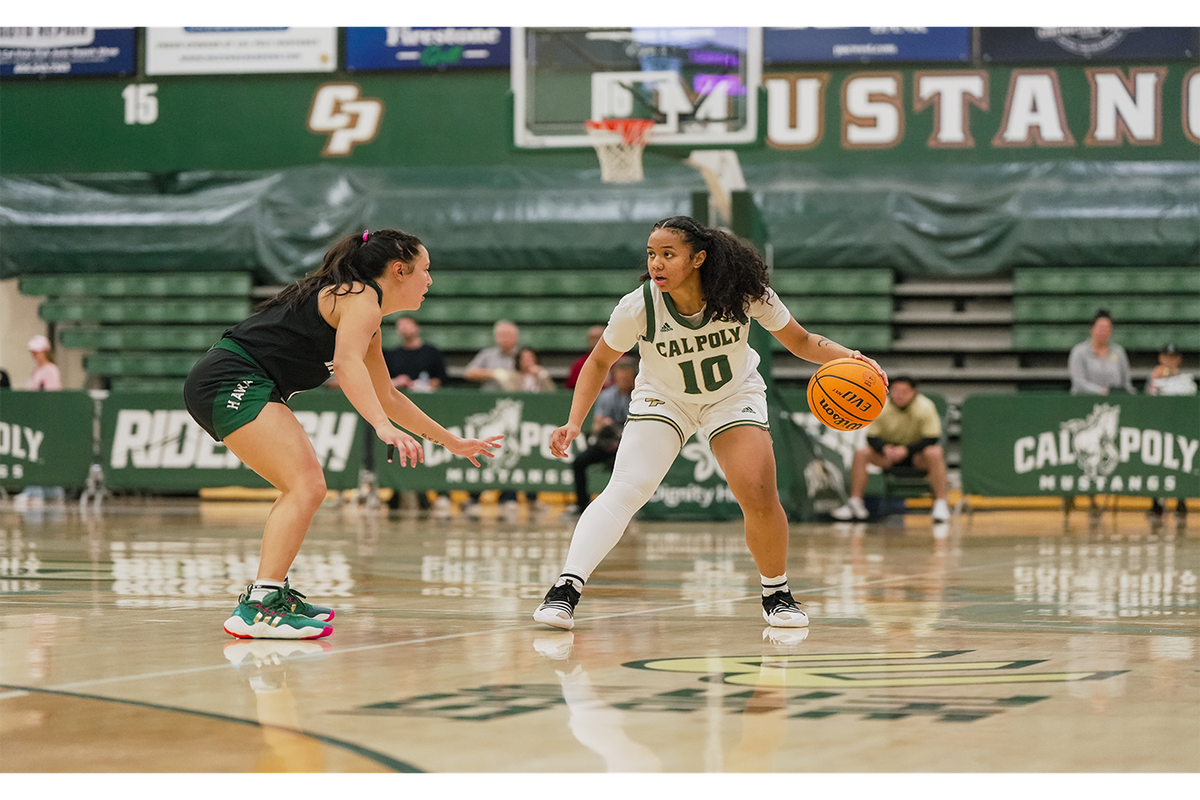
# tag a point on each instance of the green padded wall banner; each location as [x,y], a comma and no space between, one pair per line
[1058,445]
[45,438]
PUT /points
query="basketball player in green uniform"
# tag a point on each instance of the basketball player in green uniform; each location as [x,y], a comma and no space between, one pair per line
[325,324]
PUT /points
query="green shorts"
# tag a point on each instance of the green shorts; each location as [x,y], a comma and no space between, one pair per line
[226,389]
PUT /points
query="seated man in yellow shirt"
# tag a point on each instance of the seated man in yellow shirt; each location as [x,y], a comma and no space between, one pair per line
[905,434]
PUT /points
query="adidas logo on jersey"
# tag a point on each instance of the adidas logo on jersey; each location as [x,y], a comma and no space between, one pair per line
[747,410]
[666,326]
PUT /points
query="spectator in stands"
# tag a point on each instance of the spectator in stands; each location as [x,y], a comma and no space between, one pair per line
[46,377]
[491,368]
[1168,378]
[1098,365]
[488,366]
[595,333]
[5,381]
[907,433]
[415,364]
[608,421]
[530,376]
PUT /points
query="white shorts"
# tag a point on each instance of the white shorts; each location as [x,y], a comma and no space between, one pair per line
[747,407]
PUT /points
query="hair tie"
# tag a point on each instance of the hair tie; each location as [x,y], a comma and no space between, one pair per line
[366,233]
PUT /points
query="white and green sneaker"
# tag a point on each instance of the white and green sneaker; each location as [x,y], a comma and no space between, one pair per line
[296,604]
[271,618]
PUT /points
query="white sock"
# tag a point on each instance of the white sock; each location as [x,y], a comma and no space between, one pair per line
[261,589]
[572,579]
[857,504]
[646,453]
[772,585]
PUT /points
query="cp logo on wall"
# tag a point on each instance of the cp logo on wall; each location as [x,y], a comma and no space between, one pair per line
[349,119]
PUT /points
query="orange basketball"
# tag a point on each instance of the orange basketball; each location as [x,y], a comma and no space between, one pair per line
[846,394]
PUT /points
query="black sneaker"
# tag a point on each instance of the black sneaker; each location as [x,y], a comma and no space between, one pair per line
[781,611]
[558,609]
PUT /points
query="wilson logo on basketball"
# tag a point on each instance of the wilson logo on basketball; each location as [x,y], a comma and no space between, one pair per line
[833,417]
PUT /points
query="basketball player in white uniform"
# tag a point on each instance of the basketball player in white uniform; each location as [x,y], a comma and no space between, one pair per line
[691,322]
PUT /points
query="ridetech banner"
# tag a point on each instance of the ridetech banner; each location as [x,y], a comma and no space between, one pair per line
[1049,444]
[149,441]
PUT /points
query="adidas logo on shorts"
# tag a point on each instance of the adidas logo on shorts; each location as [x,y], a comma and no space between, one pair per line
[666,326]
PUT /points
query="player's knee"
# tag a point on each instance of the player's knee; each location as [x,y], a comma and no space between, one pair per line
[753,497]
[309,488]
[629,494]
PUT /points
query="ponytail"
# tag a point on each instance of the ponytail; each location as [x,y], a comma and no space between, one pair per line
[355,259]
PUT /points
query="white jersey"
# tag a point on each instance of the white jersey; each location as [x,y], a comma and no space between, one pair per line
[688,360]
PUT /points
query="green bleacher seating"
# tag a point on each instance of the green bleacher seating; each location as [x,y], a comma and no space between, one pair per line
[593,283]
[867,338]
[1147,338]
[144,311]
[1106,280]
[1135,308]
[1053,308]
[840,309]
[141,364]
[554,310]
[143,337]
[847,282]
[142,330]
[215,284]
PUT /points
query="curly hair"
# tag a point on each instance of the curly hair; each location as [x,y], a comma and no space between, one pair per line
[356,258]
[733,273]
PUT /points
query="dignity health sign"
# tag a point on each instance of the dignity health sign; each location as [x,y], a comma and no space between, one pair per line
[1047,444]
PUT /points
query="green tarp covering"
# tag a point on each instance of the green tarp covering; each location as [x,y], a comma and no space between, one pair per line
[920,220]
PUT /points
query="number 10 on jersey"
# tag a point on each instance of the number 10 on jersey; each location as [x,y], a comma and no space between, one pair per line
[714,371]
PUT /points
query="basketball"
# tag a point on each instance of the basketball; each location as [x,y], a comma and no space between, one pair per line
[846,394]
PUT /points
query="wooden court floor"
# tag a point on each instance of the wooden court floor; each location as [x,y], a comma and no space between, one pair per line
[1003,642]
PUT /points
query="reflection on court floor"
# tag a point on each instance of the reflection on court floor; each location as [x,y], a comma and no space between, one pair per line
[1007,641]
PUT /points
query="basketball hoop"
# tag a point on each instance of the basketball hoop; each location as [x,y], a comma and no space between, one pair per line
[619,144]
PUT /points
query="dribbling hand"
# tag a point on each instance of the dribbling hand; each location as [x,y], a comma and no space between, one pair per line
[874,365]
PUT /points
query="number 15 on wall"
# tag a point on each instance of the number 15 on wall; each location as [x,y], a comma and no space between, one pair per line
[141,104]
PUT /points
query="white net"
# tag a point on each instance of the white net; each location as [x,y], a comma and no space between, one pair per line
[619,145]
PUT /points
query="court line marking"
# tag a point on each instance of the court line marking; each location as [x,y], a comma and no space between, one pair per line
[394,764]
[490,631]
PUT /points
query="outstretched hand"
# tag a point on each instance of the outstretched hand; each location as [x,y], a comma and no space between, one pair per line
[470,448]
[561,438]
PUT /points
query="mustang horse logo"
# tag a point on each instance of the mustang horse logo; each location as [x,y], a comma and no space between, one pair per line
[1094,440]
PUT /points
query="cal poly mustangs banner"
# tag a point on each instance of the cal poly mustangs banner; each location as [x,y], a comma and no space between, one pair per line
[45,438]
[523,462]
[1028,445]
[148,441]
